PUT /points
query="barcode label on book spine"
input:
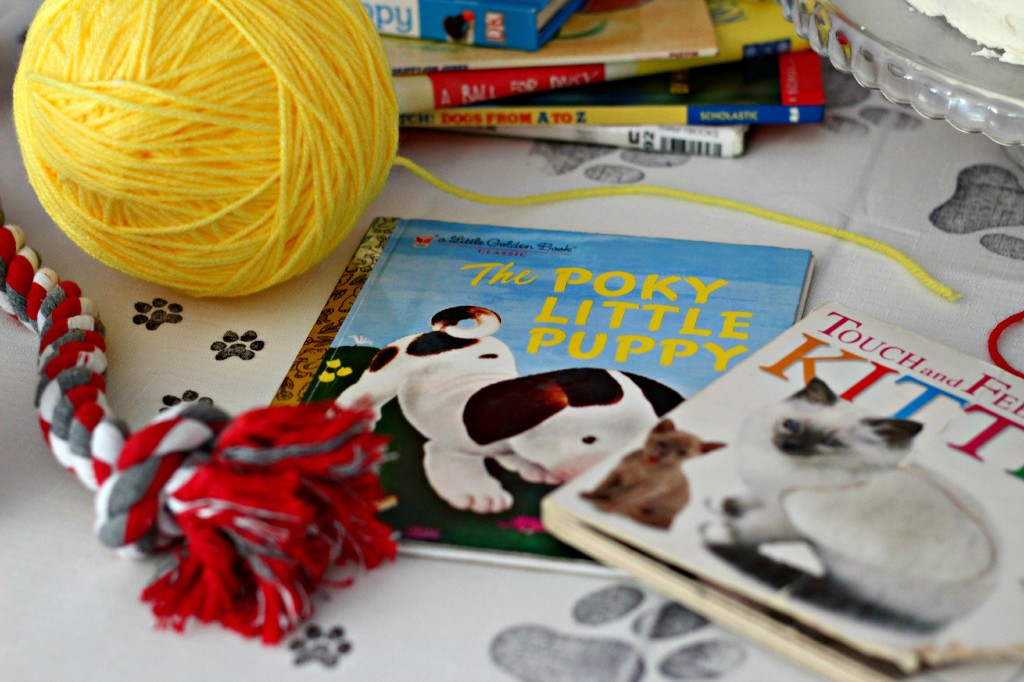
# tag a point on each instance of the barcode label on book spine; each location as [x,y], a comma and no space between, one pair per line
[695,147]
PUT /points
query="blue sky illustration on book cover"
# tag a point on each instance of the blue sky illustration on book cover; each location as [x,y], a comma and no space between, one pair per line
[519,357]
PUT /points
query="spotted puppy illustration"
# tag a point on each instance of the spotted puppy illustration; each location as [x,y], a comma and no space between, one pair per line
[458,386]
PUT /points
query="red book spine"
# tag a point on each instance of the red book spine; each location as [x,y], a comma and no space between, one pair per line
[801,79]
[459,88]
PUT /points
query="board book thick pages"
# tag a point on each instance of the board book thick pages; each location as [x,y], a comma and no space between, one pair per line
[786,88]
[656,29]
[504,360]
[857,503]
[516,24]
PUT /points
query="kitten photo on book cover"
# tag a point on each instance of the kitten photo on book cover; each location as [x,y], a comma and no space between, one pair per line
[863,513]
[649,485]
[896,542]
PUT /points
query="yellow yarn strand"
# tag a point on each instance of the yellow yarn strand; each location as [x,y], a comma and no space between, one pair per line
[882,248]
[217,147]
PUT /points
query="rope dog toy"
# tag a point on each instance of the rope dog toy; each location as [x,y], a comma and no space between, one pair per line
[255,510]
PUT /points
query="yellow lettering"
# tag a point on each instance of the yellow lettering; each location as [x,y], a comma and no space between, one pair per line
[601,283]
[704,290]
[547,312]
[619,309]
[484,269]
[542,337]
[690,324]
[662,285]
[596,348]
[722,356]
[732,321]
[567,276]
[504,274]
[658,311]
[676,348]
[583,312]
[632,345]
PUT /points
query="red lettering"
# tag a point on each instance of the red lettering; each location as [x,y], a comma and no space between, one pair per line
[997,426]
[867,381]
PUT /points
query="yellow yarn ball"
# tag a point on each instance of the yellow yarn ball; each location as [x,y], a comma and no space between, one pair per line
[217,147]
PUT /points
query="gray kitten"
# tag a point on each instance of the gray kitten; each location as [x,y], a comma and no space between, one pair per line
[889,534]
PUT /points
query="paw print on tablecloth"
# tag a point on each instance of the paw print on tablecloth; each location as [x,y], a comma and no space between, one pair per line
[156,313]
[188,396]
[243,347]
[562,158]
[852,109]
[316,644]
[986,197]
[678,643]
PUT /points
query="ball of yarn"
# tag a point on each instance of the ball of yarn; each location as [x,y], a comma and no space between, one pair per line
[217,147]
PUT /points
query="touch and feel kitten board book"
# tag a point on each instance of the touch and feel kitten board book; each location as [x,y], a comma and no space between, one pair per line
[504,360]
[517,24]
[856,501]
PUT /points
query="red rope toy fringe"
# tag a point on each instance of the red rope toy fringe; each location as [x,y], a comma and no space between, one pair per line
[255,510]
[993,343]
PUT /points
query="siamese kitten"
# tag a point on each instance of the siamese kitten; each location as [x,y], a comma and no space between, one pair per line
[822,471]
[649,485]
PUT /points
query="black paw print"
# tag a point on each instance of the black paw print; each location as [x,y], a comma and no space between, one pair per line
[695,650]
[317,644]
[986,197]
[188,396]
[156,313]
[234,345]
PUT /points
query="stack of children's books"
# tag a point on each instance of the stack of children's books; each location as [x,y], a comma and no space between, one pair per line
[680,76]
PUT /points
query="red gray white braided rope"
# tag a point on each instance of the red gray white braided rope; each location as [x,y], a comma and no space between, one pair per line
[256,509]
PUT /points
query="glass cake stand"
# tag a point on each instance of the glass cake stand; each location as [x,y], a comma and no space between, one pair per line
[919,61]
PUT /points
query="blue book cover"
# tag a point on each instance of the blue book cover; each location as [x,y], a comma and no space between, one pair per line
[516,24]
[504,361]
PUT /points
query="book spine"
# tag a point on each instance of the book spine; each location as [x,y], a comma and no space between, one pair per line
[801,79]
[634,115]
[754,113]
[295,387]
[713,141]
[444,89]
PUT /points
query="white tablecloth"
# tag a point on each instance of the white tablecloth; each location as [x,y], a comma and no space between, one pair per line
[68,606]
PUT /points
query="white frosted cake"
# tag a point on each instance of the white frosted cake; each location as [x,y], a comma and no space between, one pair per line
[996,24]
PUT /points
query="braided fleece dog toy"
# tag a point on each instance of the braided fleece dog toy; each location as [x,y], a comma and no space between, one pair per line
[255,510]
